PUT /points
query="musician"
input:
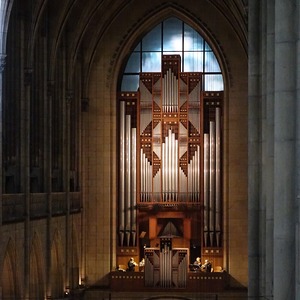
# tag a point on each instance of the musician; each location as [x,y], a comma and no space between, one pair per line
[131,265]
[197,263]
[206,266]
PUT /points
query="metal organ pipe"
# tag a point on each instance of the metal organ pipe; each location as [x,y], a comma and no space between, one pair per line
[194,176]
[176,170]
[197,171]
[133,186]
[189,181]
[122,173]
[142,175]
[149,191]
[169,162]
[170,167]
[170,92]
[166,187]
[164,173]
[206,187]
[212,181]
[146,178]
[218,176]
[166,266]
[128,177]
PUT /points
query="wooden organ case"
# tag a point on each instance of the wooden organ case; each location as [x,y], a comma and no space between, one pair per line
[170,174]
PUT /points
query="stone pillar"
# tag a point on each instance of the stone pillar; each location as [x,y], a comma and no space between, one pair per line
[2,65]
[268,150]
[48,181]
[253,149]
[69,252]
[26,174]
[297,199]
[284,150]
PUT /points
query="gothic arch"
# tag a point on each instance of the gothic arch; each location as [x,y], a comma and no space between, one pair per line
[36,279]
[74,272]
[10,277]
[5,9]
[148,22]
[57,271]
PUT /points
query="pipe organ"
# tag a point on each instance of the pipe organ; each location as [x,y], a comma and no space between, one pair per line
[170,157]
[166,267]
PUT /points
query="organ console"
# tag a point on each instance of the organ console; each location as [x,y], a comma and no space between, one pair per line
[170,169]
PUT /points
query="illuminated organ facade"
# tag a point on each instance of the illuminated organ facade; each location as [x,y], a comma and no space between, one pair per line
[170,171]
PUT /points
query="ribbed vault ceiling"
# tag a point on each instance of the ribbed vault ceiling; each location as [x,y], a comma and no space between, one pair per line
[81,24]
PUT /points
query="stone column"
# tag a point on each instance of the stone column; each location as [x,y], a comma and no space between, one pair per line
[268,150]
[69,248]
[297,199]
[253,148]
[2,65]
[26,174]
[3,8]
[48,181]
[284,150]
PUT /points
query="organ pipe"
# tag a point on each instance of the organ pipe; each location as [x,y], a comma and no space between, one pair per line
[197,187]
[133,188]
[122,173]
[164,177]
[194,176]
[212,181]
[176,169]
[166,267]
[146,178]
[128,178]
[218,176]
[127,197]
[170,92]
[170,167]
[206,187]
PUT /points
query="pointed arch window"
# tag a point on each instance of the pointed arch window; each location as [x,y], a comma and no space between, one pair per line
[173,36]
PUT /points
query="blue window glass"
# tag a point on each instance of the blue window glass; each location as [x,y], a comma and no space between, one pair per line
[130,83]
[138,47]
[213,82]
[193,62]
[133,64]
[211,63]
[151,61]
[173,36]
[207,47]
[192,40]
[152,41]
